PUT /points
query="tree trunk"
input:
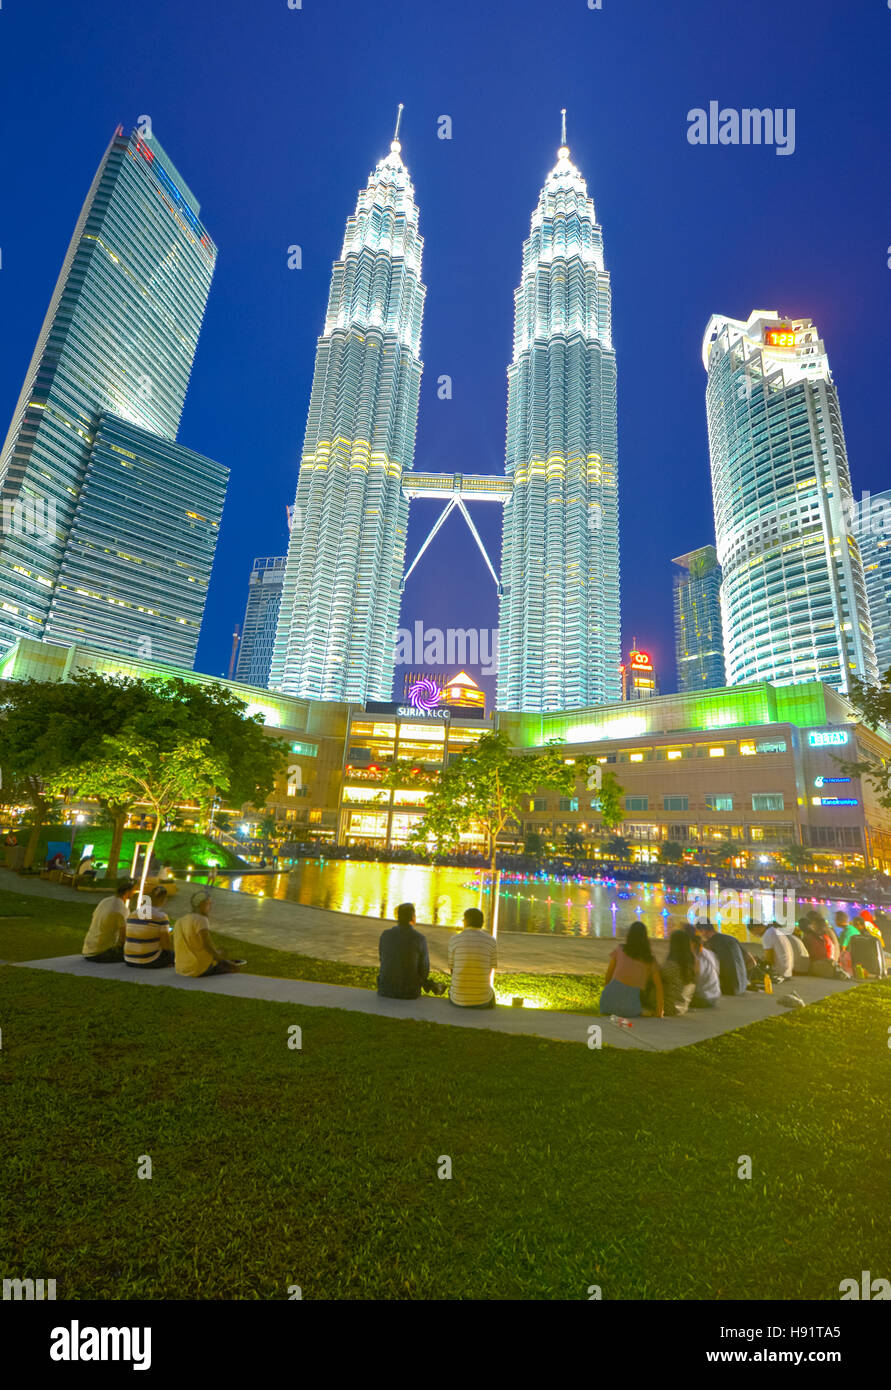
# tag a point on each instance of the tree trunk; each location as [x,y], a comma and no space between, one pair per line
[148,855]
[39,804]
[117,839]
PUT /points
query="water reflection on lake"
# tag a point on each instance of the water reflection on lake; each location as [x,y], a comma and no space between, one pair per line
[529,903]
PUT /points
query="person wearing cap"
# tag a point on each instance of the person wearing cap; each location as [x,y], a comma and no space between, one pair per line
[104,941]
[194,951]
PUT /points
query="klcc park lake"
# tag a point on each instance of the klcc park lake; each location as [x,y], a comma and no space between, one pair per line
[569,905]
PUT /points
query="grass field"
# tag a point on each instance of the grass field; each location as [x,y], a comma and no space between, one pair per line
[318,1167]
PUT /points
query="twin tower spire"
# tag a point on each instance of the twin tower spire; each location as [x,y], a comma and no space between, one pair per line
[559,591]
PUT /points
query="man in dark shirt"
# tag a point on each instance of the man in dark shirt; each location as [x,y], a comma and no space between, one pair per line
[732,970]
[405,961]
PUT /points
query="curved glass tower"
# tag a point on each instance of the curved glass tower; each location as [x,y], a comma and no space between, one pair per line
[793,595]
[559,643]
[340,597]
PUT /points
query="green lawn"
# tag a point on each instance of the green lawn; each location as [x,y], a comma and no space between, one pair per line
[318,1167]
[34,928]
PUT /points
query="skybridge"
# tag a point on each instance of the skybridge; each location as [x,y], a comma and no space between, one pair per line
[455,489]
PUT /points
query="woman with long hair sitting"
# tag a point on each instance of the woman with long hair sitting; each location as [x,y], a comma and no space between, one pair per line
[633,986]
[678,975]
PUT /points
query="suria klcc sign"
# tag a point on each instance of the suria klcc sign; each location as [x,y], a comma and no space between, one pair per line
[424,698]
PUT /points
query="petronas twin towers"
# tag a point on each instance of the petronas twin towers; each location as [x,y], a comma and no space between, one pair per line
[559,592]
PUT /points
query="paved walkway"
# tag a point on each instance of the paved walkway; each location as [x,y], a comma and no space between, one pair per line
[647,1034]
[314,931]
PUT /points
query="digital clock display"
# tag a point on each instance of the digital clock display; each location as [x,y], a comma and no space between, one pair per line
[780,337]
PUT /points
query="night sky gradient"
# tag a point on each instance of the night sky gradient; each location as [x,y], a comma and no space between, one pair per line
[275,118]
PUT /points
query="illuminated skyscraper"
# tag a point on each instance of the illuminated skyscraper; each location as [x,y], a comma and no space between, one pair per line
[698,635]
[260,620]
[109,525]
[874,535]
[341,593]
[793,596]
[559,642]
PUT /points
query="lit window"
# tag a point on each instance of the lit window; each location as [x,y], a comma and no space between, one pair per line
[716,752]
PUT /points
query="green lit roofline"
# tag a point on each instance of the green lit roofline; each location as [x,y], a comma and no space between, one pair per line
[51,661]
[702,711]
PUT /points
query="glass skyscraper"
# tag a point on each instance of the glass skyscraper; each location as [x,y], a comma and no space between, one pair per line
[124,519]
[341,592]
[873,529]
[698,635]
[260,619]
[793,594]
[559,641]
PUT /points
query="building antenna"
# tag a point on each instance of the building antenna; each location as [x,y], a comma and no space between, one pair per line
[398,120]
[563,130]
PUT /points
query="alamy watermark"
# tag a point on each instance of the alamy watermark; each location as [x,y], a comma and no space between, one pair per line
[453,646]
[727,125]
[32,516]
[731,908]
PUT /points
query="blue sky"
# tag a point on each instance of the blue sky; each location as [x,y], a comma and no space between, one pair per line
[275,117]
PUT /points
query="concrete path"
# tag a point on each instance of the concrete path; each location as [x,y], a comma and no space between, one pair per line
[647,1034]
[314,931]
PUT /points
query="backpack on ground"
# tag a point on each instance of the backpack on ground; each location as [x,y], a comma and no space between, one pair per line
[867,952]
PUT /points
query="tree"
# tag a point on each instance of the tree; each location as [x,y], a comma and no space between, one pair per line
[128,767]
[163,715]
[670,852]
[45,725]
[534,844]
[873,704]
[575,841]
[488,785]
[797,857]
[722,851]
[618,847]
[609,806]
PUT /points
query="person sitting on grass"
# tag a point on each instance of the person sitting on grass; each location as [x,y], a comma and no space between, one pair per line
[633,987]
[778,955]
[404,959]
[473,957]
[708,983]
[194,951]
[801,961]
[104,941]
[678,976]
[819,947]
[732,967]
[149,944]
[844,930]
[85,871]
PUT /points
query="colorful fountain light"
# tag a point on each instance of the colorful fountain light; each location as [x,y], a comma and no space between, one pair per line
[424,694]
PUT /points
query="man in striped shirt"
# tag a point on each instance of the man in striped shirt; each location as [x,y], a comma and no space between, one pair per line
[473,956]
[148,944]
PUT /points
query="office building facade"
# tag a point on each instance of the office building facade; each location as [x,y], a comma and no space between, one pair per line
[872,527]
[260,620]
[114,355]
[698,632]
[793,594]
[341,593]
[559,621]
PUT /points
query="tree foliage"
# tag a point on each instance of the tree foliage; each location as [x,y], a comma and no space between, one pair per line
[873,704]
[488,785]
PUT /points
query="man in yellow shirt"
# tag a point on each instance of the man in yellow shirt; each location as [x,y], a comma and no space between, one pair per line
[195,952]
[473,957]
[104,942]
